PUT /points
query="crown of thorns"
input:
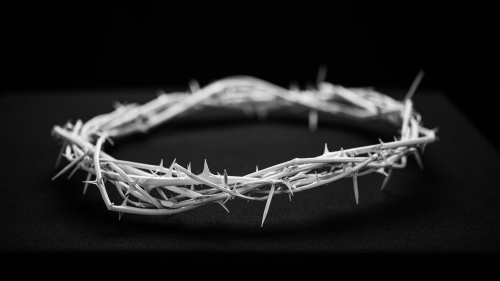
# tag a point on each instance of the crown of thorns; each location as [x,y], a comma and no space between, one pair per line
[179,190]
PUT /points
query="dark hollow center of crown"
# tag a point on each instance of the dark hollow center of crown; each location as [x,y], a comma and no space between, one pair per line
[238,143]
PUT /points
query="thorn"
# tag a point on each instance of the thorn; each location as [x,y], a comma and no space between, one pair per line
[317,177]
[287,183]
[68,124]
[313,120]
[422,148]
[321,74]
[382,171]
[96,181]
[225,179]
[332,167]
[419,160]
[206,171]
[73,172]
[256,168]
[223,206]
[86,183]
[268,203]
[189,167]
[227,199]
[326,149]
[159,166]
[131,187]
[70,165]
[110,141]
[170,170]
[120,214]
[290,197]
[194,86]
[192,187]
[386,180]
[414,85]
[355,183]
[59,156]
[177,172]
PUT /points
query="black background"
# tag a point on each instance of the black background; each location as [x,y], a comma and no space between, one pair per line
[80,47]
[61,46]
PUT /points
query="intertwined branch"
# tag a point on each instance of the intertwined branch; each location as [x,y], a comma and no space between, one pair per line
[177,189]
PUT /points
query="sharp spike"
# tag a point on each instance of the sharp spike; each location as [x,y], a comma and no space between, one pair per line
[206,170]
[317,177]
[419,160]
[355,183]
[313,120]
[225,179]
[131,187]
[96,181]
[192,187]
[194,86]
[59,156]
[268,203]
[223,206]
[70,165]
[386,180]
[189,167]
[287,183]
[321,74]
[177,172]
[422,147]
[86,183]
[170,170]
[120,214]
[382,171]
[256,168]
[160,167]
[74,171]
[326,149]
[414,85]
[110,141]
[290,197]
[162,194]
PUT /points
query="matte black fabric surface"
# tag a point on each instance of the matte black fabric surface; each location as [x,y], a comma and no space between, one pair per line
[452,208]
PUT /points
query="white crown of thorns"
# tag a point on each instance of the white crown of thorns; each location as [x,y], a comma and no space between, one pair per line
[179,190]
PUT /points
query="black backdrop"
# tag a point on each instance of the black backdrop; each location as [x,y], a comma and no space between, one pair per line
[59,46]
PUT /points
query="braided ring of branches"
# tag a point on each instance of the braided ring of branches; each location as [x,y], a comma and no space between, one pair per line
[83,142]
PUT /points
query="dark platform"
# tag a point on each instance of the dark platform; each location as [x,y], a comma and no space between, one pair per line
[450,211]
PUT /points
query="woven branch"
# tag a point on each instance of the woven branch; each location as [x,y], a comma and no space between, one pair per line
[175,185]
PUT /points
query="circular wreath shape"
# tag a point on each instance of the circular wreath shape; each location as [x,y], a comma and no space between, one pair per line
[179,190]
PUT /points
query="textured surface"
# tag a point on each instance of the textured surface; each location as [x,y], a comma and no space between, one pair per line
[453,207]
